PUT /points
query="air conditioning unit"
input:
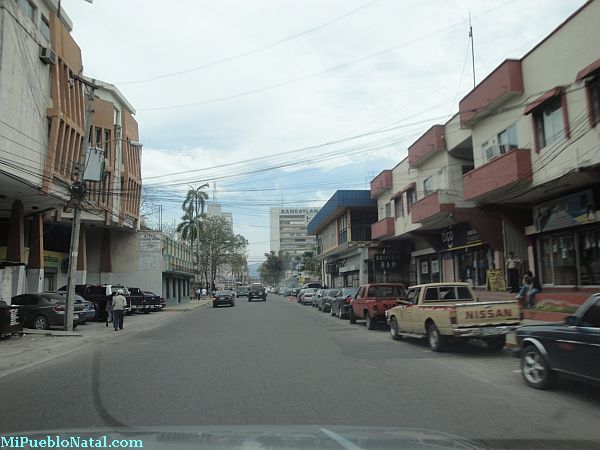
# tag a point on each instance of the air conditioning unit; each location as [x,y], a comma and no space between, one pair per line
[47,55]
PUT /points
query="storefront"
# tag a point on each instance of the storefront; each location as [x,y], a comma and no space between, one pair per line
[567,237]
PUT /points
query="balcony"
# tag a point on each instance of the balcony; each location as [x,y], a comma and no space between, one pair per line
[432,207]
[498,175]
[382,229]
[433,141]
[498,87]
[381,183]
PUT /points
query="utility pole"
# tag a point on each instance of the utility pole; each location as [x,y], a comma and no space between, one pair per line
[472,49]
[77,197]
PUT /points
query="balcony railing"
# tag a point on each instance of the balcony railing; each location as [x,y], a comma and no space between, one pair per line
[381,183]
[384,228]
[361,233]
[431,142]
[498,175]
[431,207]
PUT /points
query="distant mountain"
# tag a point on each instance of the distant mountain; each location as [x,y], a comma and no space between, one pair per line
[253,269]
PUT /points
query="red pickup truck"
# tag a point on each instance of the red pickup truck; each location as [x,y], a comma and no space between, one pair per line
[372,301]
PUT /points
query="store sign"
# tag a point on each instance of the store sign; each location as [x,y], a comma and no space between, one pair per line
[575,209]
[54,260]
[459,235]
[299,211]
[387,261]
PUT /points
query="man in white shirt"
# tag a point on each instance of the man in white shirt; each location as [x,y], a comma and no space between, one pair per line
[119,304]
[512,272]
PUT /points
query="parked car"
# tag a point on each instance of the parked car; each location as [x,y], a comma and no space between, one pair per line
[89,311]
[340,302]
[570,348]
[99,295]
[444,311]
[225,297]
[156,302]
[287,292]
[300,295]
[46,310]
[317,298]
[308,296]
[138,301]
[257,290]
[372,301]
[295,292]
[242,291]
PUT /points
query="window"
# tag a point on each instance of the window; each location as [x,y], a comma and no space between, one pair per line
[549,123]
[98,140]
[342,229]
[28,8]
[398,207]
[428,185]
[388,209]
[592,316]
[431,294]
[593,89]
[45,27]
[507,140]
[589,255]
[107,142]
[411,197]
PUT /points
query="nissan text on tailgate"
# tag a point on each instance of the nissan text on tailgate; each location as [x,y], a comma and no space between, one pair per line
[441,311]
[372,301]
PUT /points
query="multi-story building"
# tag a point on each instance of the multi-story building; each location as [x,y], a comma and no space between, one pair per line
[288,230]
[516,170]
[44,99]
[343,234]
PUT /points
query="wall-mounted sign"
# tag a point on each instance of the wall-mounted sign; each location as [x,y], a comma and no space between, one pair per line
[459,235]
[386,261]
[565,212]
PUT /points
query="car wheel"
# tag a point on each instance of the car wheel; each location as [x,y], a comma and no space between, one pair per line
[496,343]
[369,322]
[436,341]
[352,316]
[395,330]
[40,323]
[331,311]
[339,313]
[535,369]
[232,304]
[214,304]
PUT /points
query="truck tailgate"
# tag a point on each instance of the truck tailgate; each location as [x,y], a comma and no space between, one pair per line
[487,313]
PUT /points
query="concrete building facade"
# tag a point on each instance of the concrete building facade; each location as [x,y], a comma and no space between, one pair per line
[287,230]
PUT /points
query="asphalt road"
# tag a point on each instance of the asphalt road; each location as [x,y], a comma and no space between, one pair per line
[277,363]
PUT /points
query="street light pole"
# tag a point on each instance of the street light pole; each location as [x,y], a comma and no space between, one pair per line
[77,197]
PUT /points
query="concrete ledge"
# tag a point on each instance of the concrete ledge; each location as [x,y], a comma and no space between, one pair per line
[51,332]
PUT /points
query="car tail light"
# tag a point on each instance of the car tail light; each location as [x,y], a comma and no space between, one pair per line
[58,308]
[347,299]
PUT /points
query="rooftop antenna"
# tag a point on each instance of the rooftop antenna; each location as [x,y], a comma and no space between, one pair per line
[472,49]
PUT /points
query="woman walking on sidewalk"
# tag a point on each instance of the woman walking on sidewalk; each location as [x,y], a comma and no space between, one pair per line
[109,309]
[119,302]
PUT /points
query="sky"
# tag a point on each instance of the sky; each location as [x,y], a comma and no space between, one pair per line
[280,102]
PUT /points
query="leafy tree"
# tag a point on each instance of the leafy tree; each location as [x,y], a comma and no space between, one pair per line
[273,269]
[311,264]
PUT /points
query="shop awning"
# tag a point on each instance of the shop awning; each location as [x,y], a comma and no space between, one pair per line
[552,93]
[588,70]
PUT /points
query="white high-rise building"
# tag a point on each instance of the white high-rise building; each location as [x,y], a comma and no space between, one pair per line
[288,230]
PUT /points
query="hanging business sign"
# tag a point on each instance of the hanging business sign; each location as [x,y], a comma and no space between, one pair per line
[575,209]
[459,236]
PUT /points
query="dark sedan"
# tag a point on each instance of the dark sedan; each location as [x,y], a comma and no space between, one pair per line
[224,298]
[569,348]
[43,311]
[89,310]
[340,305]
[327,299]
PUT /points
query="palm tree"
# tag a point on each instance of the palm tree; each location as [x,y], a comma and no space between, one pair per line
[195,200]
[193,206]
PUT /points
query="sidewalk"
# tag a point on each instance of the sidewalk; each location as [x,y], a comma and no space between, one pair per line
[39,346]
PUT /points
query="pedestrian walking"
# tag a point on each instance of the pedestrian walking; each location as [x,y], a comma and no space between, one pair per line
[119,303]
[109,309]
[512,271]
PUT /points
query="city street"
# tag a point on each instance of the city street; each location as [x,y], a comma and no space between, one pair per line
[279,363]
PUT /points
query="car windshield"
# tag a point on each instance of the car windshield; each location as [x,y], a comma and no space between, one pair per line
[267,176]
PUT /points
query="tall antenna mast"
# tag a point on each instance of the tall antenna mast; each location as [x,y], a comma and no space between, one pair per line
[472,49]
[214,192]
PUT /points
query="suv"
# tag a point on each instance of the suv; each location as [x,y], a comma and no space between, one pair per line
[242,291]
[257,291]
[99,295]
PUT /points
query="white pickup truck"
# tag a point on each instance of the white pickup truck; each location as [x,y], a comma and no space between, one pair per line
[441,311]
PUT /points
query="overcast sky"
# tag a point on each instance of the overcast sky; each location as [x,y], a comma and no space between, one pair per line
[217,83]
